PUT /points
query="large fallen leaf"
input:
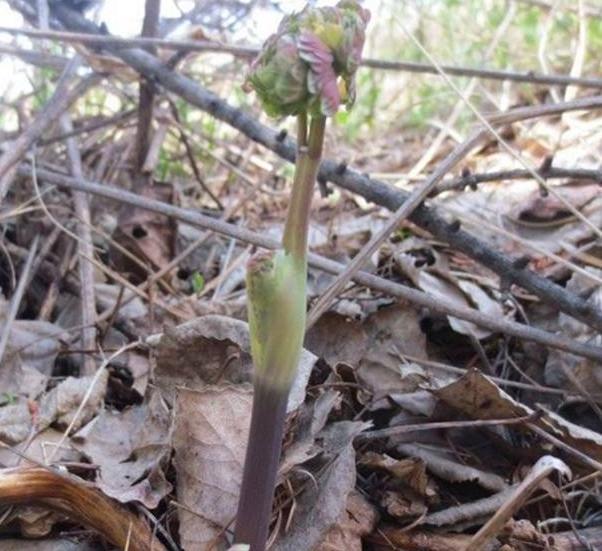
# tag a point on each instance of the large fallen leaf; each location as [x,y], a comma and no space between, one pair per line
[567,370]
[31,344]
[130,448]
[392,332]
[337,338]
[320,507]
[213,349]
[479,397]
[210,438]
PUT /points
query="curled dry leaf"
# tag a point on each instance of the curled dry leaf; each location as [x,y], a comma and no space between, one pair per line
[130,449]
[441,284]
[34,522]
[410,471]
[473,511]
[404,506]
[213,349]
[451,470]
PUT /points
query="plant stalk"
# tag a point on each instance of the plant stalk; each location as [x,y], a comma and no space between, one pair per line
[306,171]
[261,466]
[280,345]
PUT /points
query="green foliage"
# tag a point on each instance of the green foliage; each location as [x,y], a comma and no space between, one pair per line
[42,87]
[198,283]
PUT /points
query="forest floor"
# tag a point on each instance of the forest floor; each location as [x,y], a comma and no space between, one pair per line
[449,399]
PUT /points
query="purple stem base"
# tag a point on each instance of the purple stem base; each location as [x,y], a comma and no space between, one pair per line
[261,466]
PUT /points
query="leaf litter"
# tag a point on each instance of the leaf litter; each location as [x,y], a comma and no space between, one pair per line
[495,443]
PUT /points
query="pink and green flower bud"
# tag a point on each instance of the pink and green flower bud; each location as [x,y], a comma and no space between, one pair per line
[276,309]
[309,65]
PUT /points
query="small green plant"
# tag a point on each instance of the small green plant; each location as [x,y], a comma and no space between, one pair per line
[307,69]
[198,283]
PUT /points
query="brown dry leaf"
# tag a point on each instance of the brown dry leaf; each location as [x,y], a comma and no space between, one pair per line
[310,421]
[15,423]
[522,532]
[392,332]
[440,284]
[545,209]
[450,469]
[357,520]
[34,522]
[210,438]
[40,449]
[404,507]
[319,508]
[213,349]
[32,344]
[478,397]
[36,342]
[410,471]
[130,448]
[567,370]
[375,347]
[16,379]
[148,235]
[61,404]
[45,545]
[337,339]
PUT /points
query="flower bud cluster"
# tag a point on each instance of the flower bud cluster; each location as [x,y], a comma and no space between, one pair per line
[309,64]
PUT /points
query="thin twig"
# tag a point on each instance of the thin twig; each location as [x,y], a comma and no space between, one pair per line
[548,173]
[146,94]
[85,249]
[248,52]
[402,429]
[370,189]
[58,103]
[15,303]
[417,297]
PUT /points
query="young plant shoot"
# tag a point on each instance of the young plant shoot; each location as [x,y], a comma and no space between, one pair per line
[306,69]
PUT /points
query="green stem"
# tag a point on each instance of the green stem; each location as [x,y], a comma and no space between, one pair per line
[306,170]
[277,305]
